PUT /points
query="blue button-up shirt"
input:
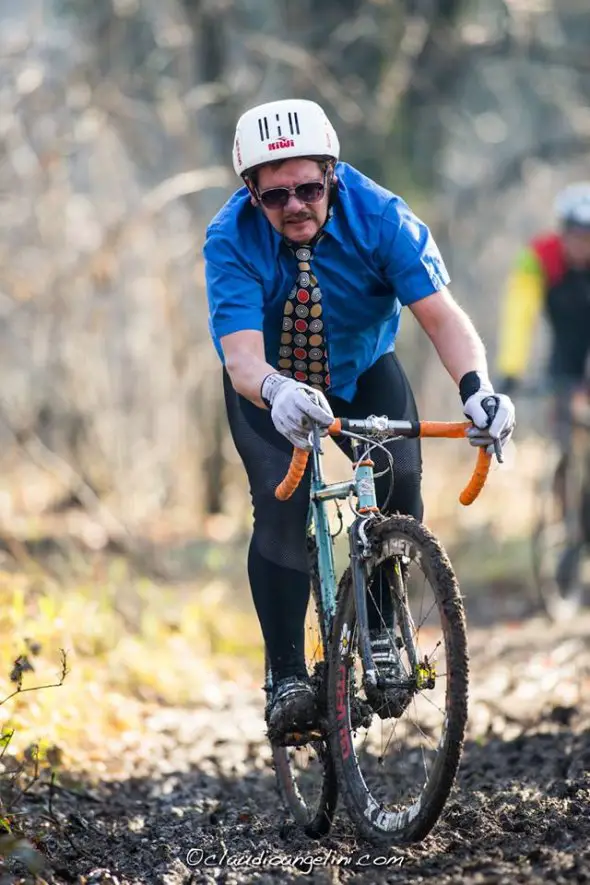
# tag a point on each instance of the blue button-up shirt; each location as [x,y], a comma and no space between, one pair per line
[375,257]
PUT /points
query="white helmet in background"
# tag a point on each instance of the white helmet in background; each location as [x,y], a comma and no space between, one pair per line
[572,205]
[281,130]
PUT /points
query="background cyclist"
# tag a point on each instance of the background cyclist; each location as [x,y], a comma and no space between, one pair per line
[551,277]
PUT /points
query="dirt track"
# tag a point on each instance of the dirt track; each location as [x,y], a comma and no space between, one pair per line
[201,780]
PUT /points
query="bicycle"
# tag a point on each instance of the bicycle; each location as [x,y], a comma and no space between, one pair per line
[561,534]
[426,708]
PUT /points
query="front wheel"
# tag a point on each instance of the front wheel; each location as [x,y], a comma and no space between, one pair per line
[396,767]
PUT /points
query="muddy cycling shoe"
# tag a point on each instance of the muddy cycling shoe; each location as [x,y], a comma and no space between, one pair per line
[392,696]
[292,712]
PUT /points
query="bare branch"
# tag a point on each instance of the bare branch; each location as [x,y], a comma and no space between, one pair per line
[48,460]
[398,77]
[510,171]
[205,94]
[180,185]
[183,184]
[303,61]
[64,673]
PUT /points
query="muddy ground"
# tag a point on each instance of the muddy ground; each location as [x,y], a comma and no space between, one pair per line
[201,779]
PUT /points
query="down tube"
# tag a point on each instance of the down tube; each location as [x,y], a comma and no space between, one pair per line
[325,563]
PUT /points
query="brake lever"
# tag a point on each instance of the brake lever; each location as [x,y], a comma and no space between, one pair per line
[316,438]
[490,407]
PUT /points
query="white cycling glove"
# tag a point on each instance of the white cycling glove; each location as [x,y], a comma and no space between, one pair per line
[491,413]
[293,406]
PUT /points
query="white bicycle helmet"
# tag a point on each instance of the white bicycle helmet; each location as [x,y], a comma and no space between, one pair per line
[572,205]
[280,130]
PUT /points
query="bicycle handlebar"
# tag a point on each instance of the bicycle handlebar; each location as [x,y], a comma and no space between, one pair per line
[410,429]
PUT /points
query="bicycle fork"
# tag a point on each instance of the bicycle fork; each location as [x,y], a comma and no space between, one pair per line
[359,583]
[360,550]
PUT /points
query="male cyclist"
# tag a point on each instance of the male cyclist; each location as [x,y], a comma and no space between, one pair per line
[307,268]
[552,276]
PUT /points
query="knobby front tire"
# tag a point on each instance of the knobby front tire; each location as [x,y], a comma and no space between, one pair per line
[379,816]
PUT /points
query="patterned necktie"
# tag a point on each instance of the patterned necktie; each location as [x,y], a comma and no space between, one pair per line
[303,354]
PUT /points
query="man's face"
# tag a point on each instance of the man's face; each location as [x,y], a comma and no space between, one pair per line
[297,220]
[576,243]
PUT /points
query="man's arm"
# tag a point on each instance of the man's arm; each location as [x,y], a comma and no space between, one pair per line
[293,405]
[246,363]
[462,353]
[453,334]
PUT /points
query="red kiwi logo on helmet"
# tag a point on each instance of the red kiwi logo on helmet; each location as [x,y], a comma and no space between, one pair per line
[281,143]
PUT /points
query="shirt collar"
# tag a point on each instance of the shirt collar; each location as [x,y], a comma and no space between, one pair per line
[334,226]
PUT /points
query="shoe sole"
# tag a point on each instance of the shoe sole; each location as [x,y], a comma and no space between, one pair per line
[304,730]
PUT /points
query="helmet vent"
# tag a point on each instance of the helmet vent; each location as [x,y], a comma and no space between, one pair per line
[263,127]
[293,118]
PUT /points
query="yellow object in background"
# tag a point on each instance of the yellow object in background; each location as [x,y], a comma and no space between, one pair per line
[521,306]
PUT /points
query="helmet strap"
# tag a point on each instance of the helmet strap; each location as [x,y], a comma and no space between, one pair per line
[251,187]
[332,186]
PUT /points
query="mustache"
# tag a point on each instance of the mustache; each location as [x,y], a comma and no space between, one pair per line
[301,216]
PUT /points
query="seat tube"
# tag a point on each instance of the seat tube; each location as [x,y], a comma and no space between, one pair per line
[325,550]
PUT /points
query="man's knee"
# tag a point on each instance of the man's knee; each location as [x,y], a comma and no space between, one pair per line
[280,530]
[406,496]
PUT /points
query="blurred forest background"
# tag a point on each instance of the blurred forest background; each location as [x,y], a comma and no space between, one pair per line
[116,125]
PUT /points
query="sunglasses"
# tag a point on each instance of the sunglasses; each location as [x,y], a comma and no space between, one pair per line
[278,197]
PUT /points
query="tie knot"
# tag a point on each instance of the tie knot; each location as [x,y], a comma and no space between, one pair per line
[301,251]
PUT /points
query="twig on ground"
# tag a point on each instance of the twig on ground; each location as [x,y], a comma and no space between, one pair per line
[64,673]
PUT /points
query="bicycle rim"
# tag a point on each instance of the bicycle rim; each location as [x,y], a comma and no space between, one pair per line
[396,773]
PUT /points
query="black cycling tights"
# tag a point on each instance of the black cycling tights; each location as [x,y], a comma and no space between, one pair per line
[277,561]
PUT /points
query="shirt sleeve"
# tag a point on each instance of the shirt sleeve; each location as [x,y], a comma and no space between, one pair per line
[521,305]
[234,291]
[408,255]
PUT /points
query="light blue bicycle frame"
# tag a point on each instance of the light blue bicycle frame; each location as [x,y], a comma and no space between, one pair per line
[363,487]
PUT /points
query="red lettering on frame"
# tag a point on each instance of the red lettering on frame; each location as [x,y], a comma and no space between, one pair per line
[343,733]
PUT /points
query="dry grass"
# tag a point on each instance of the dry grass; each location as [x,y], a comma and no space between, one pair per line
[131,644]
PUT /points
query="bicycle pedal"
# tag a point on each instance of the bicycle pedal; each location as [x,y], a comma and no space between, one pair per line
[301,738]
